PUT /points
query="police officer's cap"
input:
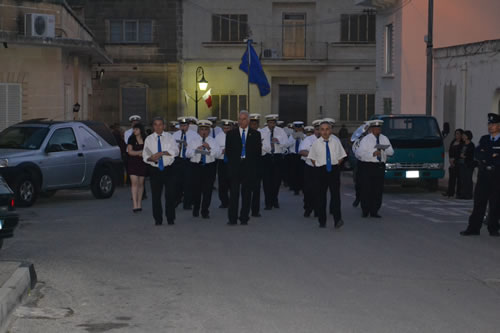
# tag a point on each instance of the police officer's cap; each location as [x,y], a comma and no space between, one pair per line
[331,121]
[280,122]
[316,122]
[183,120]
[174,123]
[134,118]
[204,123]
[194,120]
[298,124]
[254,116]
[309,129]
[212,119]
[270,117]
[375,123]
[226,122]
[493,118]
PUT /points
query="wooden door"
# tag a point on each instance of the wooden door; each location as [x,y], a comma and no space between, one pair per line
[293,103]
[294,36]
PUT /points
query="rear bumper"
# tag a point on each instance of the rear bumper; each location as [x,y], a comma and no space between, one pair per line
[9,223]
[423,174]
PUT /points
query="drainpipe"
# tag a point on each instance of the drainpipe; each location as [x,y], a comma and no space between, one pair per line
[464,93]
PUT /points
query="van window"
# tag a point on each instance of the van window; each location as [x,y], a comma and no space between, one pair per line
[63,140]
[89,141]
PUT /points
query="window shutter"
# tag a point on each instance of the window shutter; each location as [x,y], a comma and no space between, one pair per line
[3,107]
[10,105]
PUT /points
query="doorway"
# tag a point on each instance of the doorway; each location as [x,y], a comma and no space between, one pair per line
[293,103]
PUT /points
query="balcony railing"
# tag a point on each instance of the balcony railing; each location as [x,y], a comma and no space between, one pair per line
[280,50]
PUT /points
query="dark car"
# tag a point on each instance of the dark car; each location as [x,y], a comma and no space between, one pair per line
[8,217]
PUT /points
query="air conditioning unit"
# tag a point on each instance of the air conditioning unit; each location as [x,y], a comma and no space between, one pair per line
[270,53]
[39,25]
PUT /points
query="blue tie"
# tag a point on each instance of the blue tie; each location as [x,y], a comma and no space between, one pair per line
[243,143]
[378,142]
[160,161]
[297,143]
[225,158]
[272,144]
[213,132]
[328,158]
[183,145]
[203,157]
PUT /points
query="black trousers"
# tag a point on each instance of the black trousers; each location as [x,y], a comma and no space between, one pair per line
[328,181]
[310,189]
[202,178]
[296,179]
[163,180]
[372,186]
[271,177]
[255,193]
[285,167]
[223,182]
[487,191]
[466,184]
[240,185]
[357,181]
[183,183]
[453,180]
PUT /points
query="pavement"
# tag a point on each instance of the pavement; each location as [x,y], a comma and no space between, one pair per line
[102,268]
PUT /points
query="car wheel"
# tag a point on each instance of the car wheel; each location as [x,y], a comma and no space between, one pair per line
[26,191]
[103,184]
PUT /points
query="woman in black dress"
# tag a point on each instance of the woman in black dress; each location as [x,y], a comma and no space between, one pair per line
[466,165]
[454,154]
[136,167]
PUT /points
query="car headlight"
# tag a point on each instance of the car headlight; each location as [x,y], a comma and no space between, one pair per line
[4,163]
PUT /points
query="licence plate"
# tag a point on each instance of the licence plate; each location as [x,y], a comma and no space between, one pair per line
[413,174]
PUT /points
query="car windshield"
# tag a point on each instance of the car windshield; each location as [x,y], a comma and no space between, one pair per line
[411,128]
[29,138]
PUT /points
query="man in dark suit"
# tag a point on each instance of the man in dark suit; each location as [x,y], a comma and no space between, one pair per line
[243,149]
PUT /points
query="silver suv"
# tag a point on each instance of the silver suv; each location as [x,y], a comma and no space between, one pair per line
[41,157]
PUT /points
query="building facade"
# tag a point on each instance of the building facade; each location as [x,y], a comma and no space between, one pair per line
[318,56]
[467,85]
[144,38]
[46,58]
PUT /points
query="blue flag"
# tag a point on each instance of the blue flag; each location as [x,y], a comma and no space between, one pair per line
[256,74]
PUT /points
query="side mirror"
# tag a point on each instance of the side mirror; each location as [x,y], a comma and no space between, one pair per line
[446,129]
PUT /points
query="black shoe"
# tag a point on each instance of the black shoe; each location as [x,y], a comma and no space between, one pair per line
[206,216]
[135,210]
[468,232]
[256,215]
[158,223]
[244,223]
[232,223]
[495,234]
[446,194]
[196,214]
[268,208]
[375,215]
[223,206]
[171,223]
[139,209]
[339,224]
[355,203]
[307,213]
[276,205]
[364,215]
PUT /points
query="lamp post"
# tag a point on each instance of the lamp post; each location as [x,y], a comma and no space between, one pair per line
[200,82]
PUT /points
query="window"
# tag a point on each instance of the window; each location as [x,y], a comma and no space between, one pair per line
[294,36]
[130,31]
[10,105]
[357,107]
[229,28]
[387,105]
[63,140]
[88,140]
[357,28]
[389,48]
[228,106]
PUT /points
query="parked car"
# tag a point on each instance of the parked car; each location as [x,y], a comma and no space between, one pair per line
[8,217]
[41,157]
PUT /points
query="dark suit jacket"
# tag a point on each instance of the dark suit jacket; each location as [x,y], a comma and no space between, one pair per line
[253,151]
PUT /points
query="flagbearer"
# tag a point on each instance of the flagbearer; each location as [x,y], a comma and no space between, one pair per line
[372,154]
[326,155]
[223,177]
[276,141]
[184,139]
[296,165]
[203,153]
[310,184]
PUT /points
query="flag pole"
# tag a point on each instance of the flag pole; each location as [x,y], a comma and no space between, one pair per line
[248,82]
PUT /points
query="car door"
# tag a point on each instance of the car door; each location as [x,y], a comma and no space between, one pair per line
[64,165]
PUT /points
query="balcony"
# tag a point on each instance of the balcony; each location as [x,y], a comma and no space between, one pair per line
[382,4]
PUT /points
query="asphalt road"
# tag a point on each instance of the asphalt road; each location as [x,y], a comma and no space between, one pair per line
[103,269]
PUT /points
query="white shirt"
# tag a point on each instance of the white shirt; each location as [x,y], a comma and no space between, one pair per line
[196,158]
[127,135]
[167,144]
[220,139]
[366,149]
[306,145]
[265,144]
[317,153]
[193,127]
[292,141]
[279,133]
[190,138]
[217,130]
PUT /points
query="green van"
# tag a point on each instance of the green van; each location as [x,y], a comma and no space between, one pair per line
[418,149]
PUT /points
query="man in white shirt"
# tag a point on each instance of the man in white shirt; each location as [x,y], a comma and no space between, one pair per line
[255,191]
[214,130]
[326,155]
[356,138]
[310,186]
[372,154]
[159,152]
[135,119]
[296,164]
[203,153]
[276,143]
[222,174]
[184,139]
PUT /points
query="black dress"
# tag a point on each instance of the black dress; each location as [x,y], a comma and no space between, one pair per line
[135,164]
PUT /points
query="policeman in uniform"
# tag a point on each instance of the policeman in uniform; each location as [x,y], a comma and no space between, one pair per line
[356,138]
[372,154]
[488,181]
[222,175]
[173,126]
[214,130]
[326,155]
[312,134]
[275,140]
[203,153]
[255,191]
[184,139]
[296,164]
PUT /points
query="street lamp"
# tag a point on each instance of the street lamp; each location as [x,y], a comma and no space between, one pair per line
[202,83]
